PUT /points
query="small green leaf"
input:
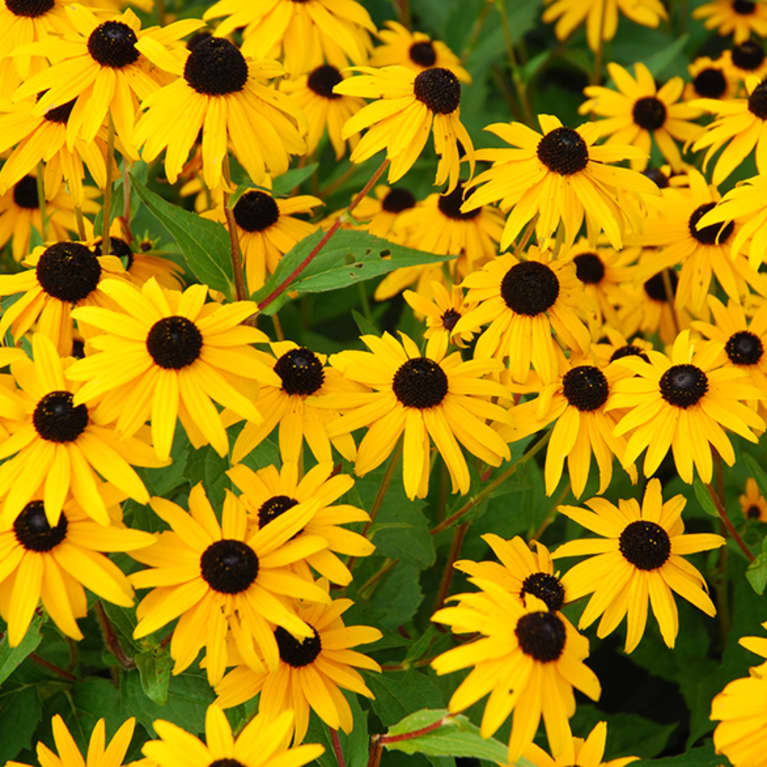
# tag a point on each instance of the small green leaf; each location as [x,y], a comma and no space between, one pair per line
[11,657]
[284,184]
[757,472]
[698,757]
[704,498]
[154,669]
[756,573]
[204,244]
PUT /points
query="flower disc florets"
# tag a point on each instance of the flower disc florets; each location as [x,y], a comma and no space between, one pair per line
[710,83]
[216,67]
[449,318]
[113,44]
[256,211]
[323,79]
[450,205]
[530,288]
[645,544]
[117,247]
[57,420]
[423,53]
[439,89]
[541,635]
[743,7]
[655,287]
[649,113]
[274,507]
[744,348]
[585,387]
[68,271]
[589,268]
[629,350]
[398,199]
[60,114]
[757,101]
[563,151]
[420,382]
[229,566]
[25,193]
[546,587]
[658,176]
[301,371]
[748,55]
[29,8]
[683,385]
[714,234]
[174,342]
[33,531]
[297,652]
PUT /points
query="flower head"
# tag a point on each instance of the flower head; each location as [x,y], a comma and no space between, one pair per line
[752,504]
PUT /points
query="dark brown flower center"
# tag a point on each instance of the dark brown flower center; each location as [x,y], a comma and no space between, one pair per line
[449,318]
[56,419]
[753,512]
[256,211]
[713,234]
[645,544]
[629,350]
[60,114]
[297,652]
[541,635]
[743,7]
[117,247]
[301,371]
[757,101]
[748,55]
[323,79]
[683,385]
[398,199]
[585,387]
[658,176]
[274,507]
[530,288]
[216,67]
[546,587]
[33,530]
[589,268]
[29,8]
[68,271]
[710,83]
[450,205]
[744,348]
[420,382]
[174,342]
[649,113]
[25,193]
[563,151]
[113,44]
[439,89]
[197,38]
[655,287]
[229,566]
[423,53]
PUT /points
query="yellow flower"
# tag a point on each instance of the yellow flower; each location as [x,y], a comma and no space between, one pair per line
[710,80]
[744,59]
[753,506]
[734,17]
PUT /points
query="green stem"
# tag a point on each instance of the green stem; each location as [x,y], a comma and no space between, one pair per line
[447,573]
[596,77]
[727,522]
[240,291]
[476,29]
[106,213]
[516,71]
[366,589]
[40,181]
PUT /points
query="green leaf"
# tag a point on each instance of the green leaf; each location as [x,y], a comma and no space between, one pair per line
[697,757]
[204,244]
[399,692]
[704,498]
[154,669]
[658,62]
[756,572]
[11,657]
[757,472]
[284,184]
[354,746]
[20,713]
[456,736]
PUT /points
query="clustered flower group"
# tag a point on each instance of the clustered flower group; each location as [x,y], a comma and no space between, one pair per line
[615,309]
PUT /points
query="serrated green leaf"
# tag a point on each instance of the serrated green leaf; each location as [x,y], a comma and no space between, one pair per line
[704,498]
[154,670]
[11,657]
[203,243]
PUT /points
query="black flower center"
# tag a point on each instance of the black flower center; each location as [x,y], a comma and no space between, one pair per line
[29,8]
[710,83]
[530,288]
[68,271]
[748,56]
[113,44]
[655,287]
[398,199]
[256,211]
[713,234]
[117,247]
[57,420]
[229,566]
[226,763]
[34,532]
[60,114]
[439,89]
[541,635]
[645,544]
[585,387]
[274,507]
[629,350]
[449,319]
[297,652]
[658,176]
[683,385]
[744,348]
[197,38]
[423,54]
[301,371]
[420,382]
[757,101]
[752,512]
[25,193]
[743,7]
[450,205]
[216,67]
[174,342]
[649,113]
[589,268]
[323,79]
[546,587]
[563,151]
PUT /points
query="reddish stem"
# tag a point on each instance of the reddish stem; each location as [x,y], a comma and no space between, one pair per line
[111,640]
[51,667]
[337,748]
[415,733]
[728,523]
[447,574]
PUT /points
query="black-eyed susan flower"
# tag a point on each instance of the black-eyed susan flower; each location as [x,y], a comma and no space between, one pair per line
[166,355]
[580,752]
[218,578]
[98,64]
[422,399]
[637,562]
[752,503]
[528,659]
[742,713]
[576,403]
[382,213]
[261,742]
[683,403]
[20,213]
[324,109]
[228,97]
[311,673]
[416,50]
[99,753]
[268,228]
[288,399]
[520,571]
[710,80]
[523,302]
[59,446]
[640,112]
[441,308]
[744,59]
[739,18]
[53,562]
[407,108]
[269,493]
[304,34]
[601,19]
[561,177]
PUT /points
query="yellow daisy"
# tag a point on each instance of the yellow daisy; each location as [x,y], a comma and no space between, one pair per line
[682,403]
[739,18]
[261,743]
[311,673]
[528,658]
[382,213]
[639,560]
[710,80]
[52,563]
[58,445]
[741,708]
[408,106]
[219,579]
[269,493]
[744,59]
[525,302]
[400,46]
[304,34]
[288,399]
[422,399]
[640,112]
[752,503]
[324,109]
[228,97]
[561,177]
[166,355]
[98,755]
